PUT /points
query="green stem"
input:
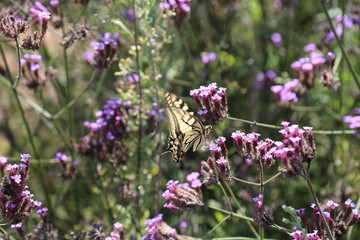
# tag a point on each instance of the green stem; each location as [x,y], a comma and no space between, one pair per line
[233,214]
[216,226]
[18,54]
[140,92]
[72,102]
[227,197]
[324,132]
[240,209]
[261,228]
[347,59]
[272,178]
[256,184]
[244,181]
[6,65]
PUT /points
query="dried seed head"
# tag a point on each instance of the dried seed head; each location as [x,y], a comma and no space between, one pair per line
[11,28]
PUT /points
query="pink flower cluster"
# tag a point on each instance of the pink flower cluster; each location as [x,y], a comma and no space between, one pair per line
[212,102]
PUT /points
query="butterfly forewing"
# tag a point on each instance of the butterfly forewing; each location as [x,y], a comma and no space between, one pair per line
[185,128]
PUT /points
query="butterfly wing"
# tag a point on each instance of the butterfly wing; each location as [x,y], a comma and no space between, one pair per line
[185,128]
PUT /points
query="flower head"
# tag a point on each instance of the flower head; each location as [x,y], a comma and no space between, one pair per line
[181,196]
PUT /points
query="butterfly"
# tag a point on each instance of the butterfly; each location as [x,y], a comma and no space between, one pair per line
[186,129]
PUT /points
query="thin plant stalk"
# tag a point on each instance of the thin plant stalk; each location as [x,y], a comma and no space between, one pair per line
[261,168]
[323,132]
[328,231]
[139,157]
[240,209]
[216,226]
[18,54]
[226,196]
[256,184]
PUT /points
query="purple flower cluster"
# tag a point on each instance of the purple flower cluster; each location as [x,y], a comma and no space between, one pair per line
[133,78]
[276,39]
[32,71]
[69,169]
[308,68]
[249,146]
[287,94]
[212,102]
[209,57]
[353,121]
[263,215]
[297,147]
[341,21]
[181,196]
[181,8]
[39,12]
[261,78]
[16,201]
[107,134]
[158,230]
[338,218]
[298,235]
[118,232]
[103,51]
[216,167]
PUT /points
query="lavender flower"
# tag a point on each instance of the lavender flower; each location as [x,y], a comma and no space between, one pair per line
[38,10]
[180,8]
[353,121]
[158,230]
[339,219]
[107,135]
[276,39]
[130,14]
[340,21]
[117,233]
[181,196]
[261,78]
[209,57]
[212,102]
[287,93]
[103,51]
[193,179]
[263,216]
[16,201]
[297,148]
[31,70]
[249,146]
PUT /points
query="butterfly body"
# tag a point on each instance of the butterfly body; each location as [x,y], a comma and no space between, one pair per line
[186,129]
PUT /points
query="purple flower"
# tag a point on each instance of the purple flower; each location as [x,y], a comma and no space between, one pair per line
[310,47]
[276,39]
[54,3]
[353,121]
[183,224]
[181,197]
[344,19]
[193,179]
[209,57]
[133,78]
[158,229]
[213,100]
[130,14]
[16,178]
